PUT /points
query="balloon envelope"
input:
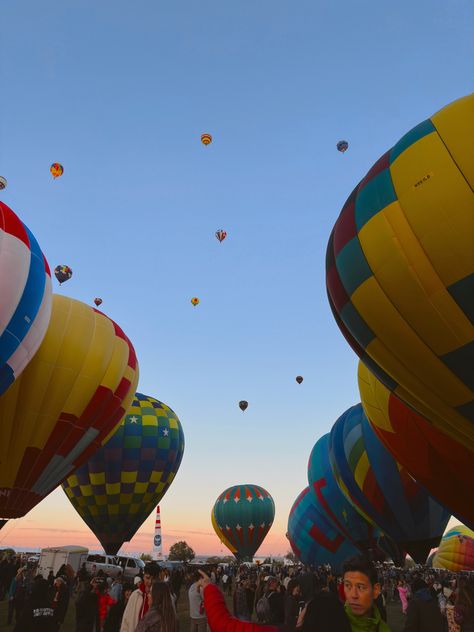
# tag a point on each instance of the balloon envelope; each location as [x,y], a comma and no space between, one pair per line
[332,503]
[244,515]
[313,538]
[382,489]
[56,170]
[243,405]
[121,484]
[443,466]
[456,551]
[195,301]
[206,139]
[64,405]
[221,535]
[342,146]
[221,235]
[399,270]
[3,183]
[62,273]
[25,296]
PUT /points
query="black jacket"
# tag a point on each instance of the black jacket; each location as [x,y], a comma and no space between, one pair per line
[36,616]
[423,613]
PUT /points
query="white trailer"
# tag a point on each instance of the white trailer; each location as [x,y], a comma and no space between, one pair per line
[52,558]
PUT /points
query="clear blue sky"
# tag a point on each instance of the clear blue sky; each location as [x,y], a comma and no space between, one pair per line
[119,93]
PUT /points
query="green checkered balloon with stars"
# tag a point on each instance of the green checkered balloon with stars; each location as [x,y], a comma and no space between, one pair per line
[120,485]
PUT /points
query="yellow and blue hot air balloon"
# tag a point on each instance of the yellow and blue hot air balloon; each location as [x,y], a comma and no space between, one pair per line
[443,466]
[400,270]
[381,489]
[25,296]
[456,550]
[64,405]
[121,484]
[243,515]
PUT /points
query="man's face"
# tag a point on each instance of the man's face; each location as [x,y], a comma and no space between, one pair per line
[360,593]
[147,580]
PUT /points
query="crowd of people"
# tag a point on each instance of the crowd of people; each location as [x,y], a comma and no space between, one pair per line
[239,598]
[305,600]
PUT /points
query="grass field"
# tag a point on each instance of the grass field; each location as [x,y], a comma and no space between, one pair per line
[395,617]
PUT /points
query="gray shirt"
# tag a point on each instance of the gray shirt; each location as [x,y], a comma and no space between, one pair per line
[195,601]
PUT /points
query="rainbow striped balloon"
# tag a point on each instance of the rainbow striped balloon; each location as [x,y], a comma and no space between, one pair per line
[381,489]
[456,551]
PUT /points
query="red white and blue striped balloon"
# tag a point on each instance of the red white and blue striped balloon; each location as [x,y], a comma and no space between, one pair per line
[25,296]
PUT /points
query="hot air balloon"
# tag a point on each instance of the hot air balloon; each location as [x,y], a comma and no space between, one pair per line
[332,503]
[299,379]
[456,550]
[243,405]
[221,535]
[195,301]
[25,291]
[98,301]
[64,405]
[243,516]
[221,235]
[62,273]
[381,489]
[3,183]
[206,139]
[399,270]
[56,169]
[313,538]
[342,146]
[443,466]
[121,484]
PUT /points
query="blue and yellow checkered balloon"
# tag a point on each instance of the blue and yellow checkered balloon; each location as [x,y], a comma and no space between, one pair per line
[118,488]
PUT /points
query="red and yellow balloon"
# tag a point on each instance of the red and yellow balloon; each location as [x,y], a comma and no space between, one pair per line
[64,405]
[443,466]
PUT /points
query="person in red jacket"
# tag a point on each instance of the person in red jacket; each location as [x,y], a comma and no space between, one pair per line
[104,600]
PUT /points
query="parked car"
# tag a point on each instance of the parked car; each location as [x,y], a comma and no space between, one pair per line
[132,566]
[106,563]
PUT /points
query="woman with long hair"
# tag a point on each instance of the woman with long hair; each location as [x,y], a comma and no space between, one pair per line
[464,606]
[161,616]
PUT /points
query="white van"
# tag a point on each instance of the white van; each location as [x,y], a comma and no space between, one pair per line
[106,563]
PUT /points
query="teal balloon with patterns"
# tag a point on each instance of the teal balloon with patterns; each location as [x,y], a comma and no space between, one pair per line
[313,537]
[244,515]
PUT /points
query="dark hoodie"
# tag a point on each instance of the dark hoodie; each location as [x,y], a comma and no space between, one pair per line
[423,614]
[37,614]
